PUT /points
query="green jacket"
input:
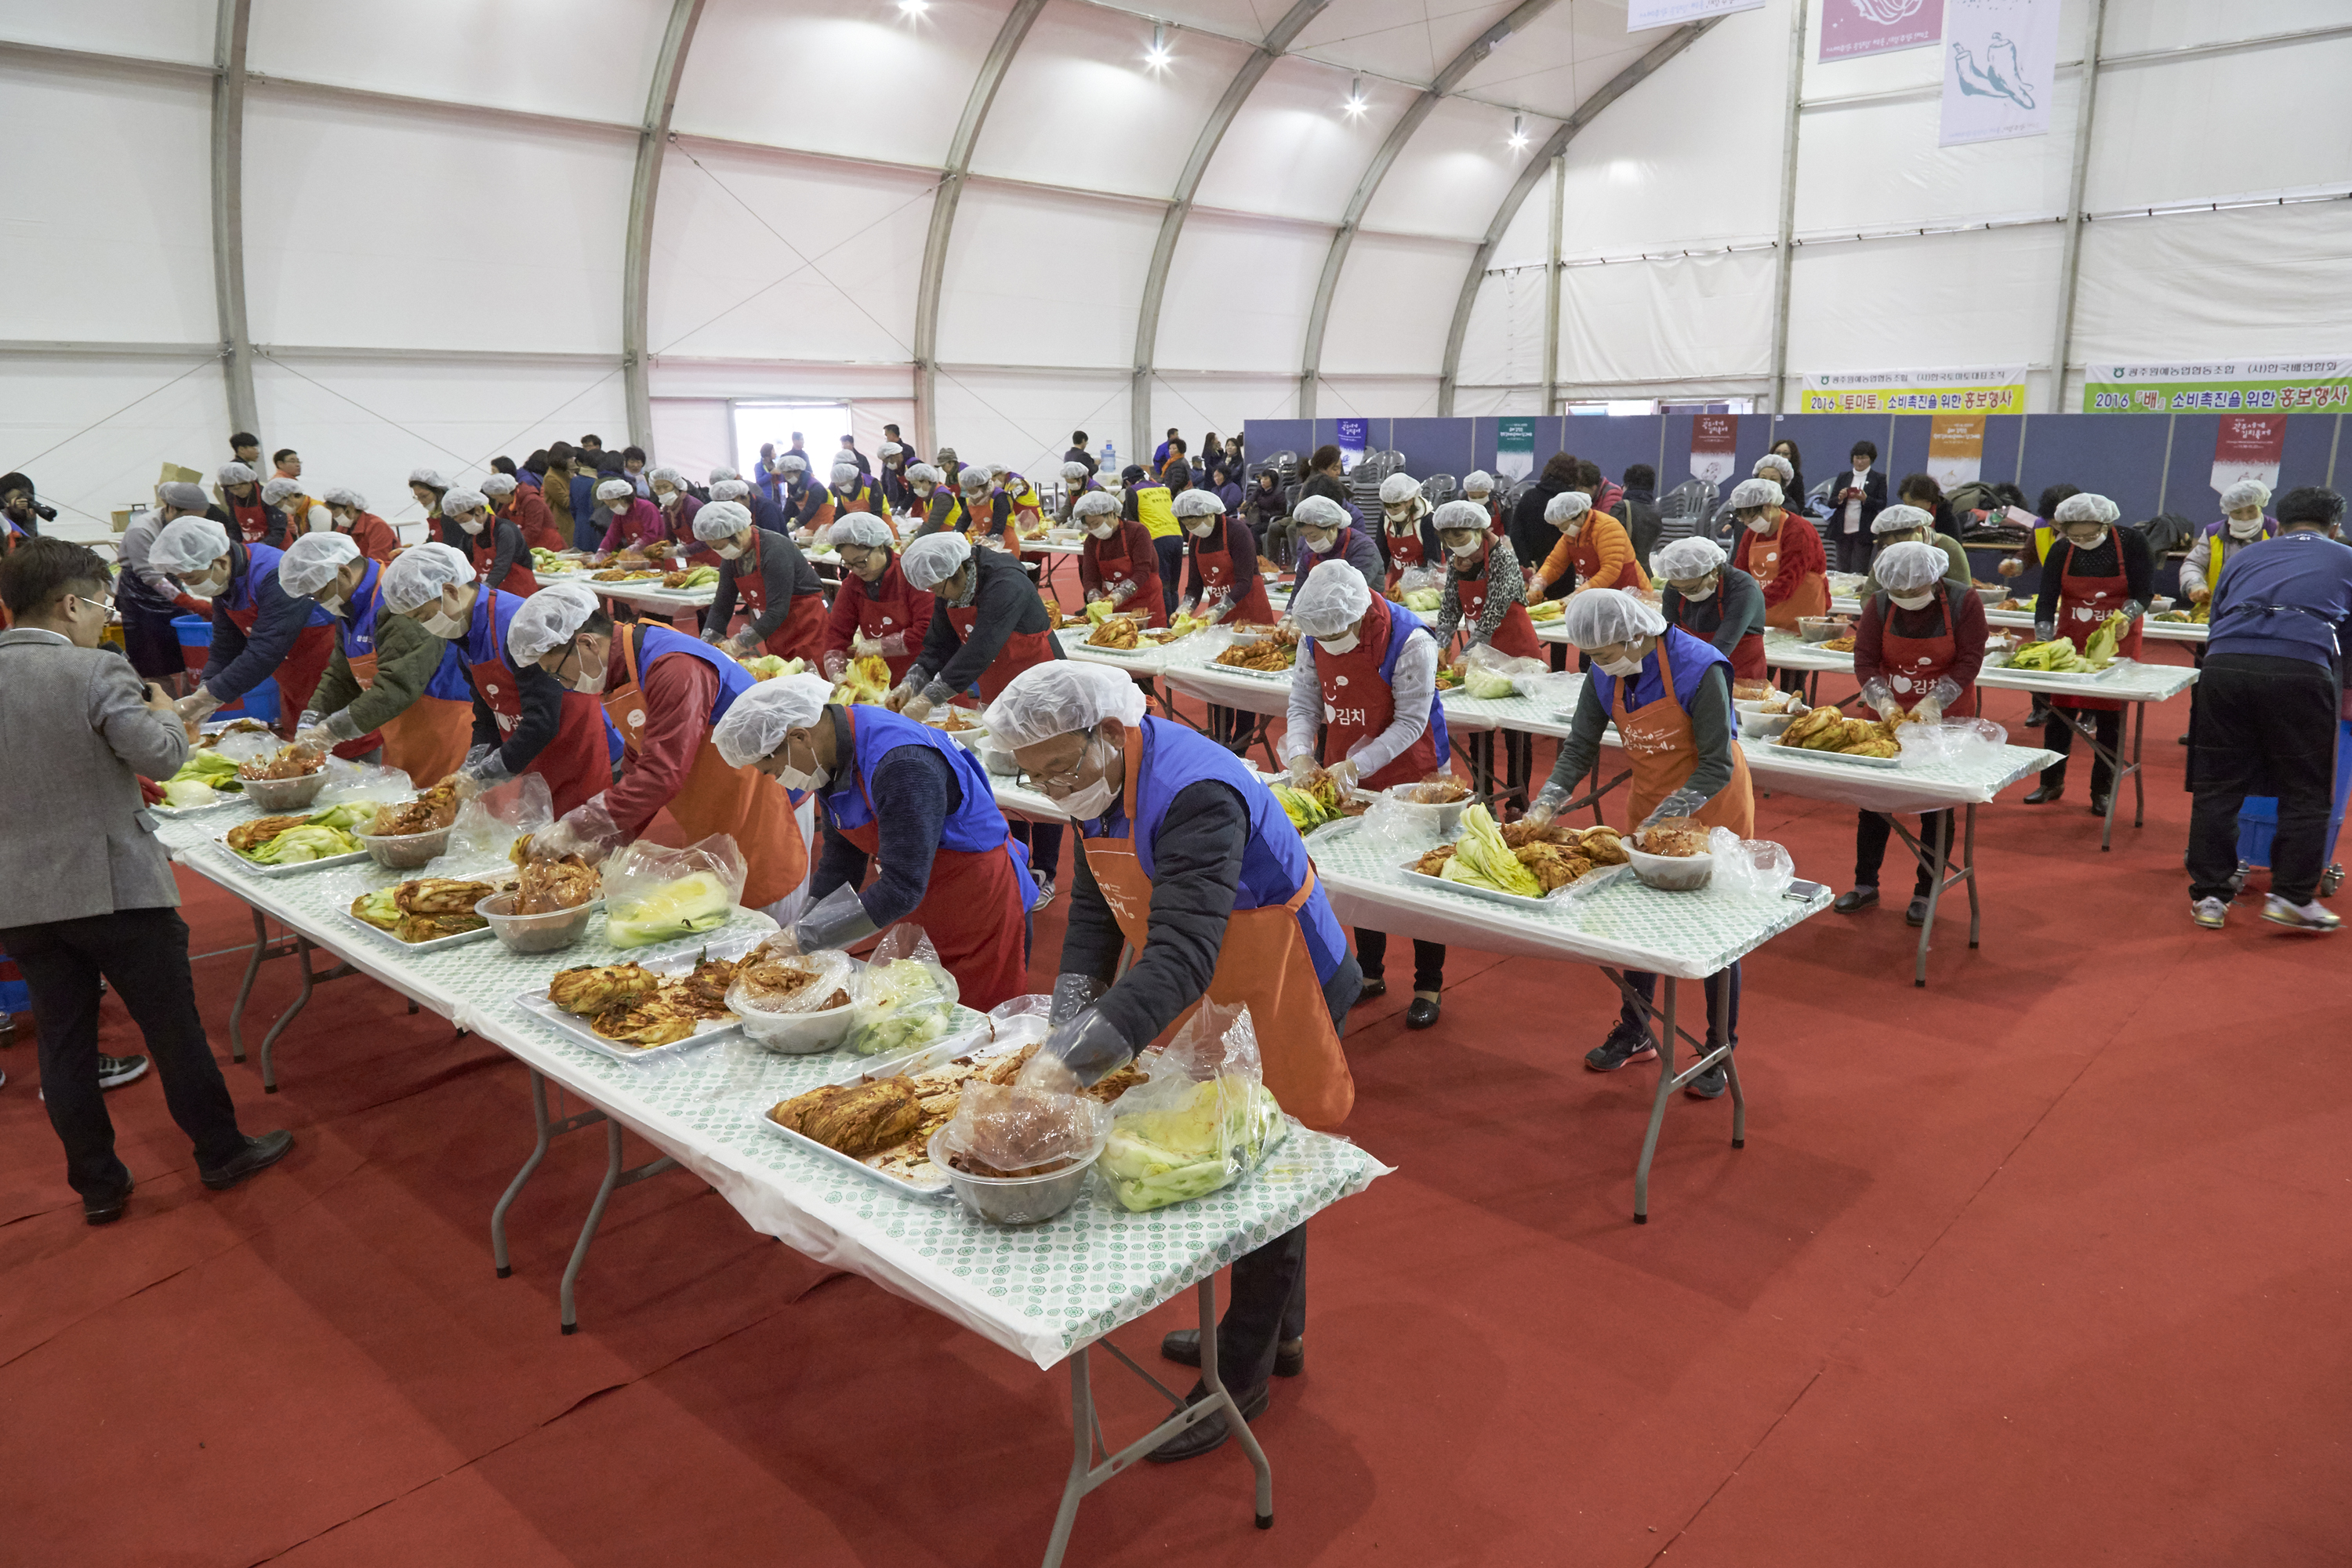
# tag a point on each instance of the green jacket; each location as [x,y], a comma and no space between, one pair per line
[406,655]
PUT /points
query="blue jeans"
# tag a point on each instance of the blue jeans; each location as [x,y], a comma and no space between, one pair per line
[1630,1019]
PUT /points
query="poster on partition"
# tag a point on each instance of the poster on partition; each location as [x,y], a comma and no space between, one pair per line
[1979,389]
[1646,14]
[2248,447]
[1853,28]
[1714,447]
[2000,69]
[1354,435]
[1956,449]
[2220,387]
[1515,447]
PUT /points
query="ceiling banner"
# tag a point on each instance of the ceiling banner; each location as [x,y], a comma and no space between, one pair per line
[1979,389]
[1644,13]
[1714,447]
[2000,66]
[1853,28]
[2287,386]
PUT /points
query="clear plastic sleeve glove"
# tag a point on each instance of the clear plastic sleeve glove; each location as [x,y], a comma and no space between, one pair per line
[1302,769]
[1681,803]
[918,707]
[834,664]
[891,646]
[1547,803]
[196,706]
[1073,994]
[2044,630]
[1880,698]
[1095,595]
[837,920]
[340,726]
[314,736]
[311,719]
[1088,1046]
[741,646]
[937,694]
[587,830]
[2199,596]
[1929,710]
[1342,774]
[1185,607]
[486,771]
[710,634]
[1120,593]
[1944,692]
[2011,566]
[1216,609]
[2134,609]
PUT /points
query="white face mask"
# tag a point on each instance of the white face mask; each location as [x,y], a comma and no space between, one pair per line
[2091,543]
[1698,596]
[666,498]
[1463,551]
[2245,530]
[448,628]
[727,552]
[1203,529]
[1621,667]
[1339,645]
[583,680]
[1913,601]
[471,526]
[1760,525]
[1090,802]
[1571,530]
[331,602]
[807,782]
[1102,530]
[1320,543]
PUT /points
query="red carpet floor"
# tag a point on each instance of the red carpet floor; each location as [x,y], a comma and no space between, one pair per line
[2045,1264]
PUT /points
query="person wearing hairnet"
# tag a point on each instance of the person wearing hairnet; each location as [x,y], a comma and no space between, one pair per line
[908,803]
[526,508]
[677,505]
[1594,550]
[1152,503]
[1326,532]
[1077,480]
[496,543]
[1781,551]
[260,630]
[1117,563]
[347,513]
[523,721]
[1723,609]
[393,691]
[2093,571]
[1916,651]
[766,515]
[932,502]
[283,494]
[806,503]
[1407,540]
[988,511]
[428,487]
[1902,523]
[1478,489]
[1366,675]
[854,492]
[631,520]
[666,692]
[1189,860]
[1669,694]
[2244,521]
[1221,575]
[1028,506]
[1485,591]
[782,597]
[892,477]
[146,594]
[253,520]
[875,610]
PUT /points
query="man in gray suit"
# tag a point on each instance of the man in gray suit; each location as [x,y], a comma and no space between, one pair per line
[86,888]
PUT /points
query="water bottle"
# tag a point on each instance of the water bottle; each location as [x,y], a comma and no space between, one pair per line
[1109,458]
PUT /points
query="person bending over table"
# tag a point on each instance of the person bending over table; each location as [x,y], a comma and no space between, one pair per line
[1077,480]
[2268,712]
[1221,575]
[1478,489]
[1916,651]
[522,505]
[875,605]
[854,492]
[1904,523]
[2093,571]
[1723,609]
[393,692]
[1119,564]
[1367,673]
[1407,540]
[1781,551]
[347,512]
[631,521]
[935,503]
[783,598]
[807,504]
[912,803]
[86,894]
[260,630]
[1188,859]
[253,518]
[988,625]
[1593,552]
[500,555]
[1326,532]
[2242,523]
[1484,589]
[1669,694]
[523,719]
[988,511]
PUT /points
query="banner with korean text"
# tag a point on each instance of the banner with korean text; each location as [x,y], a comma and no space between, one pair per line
[1714,447]
[2249,446]
[1956,449]
[1982,389]
[2210,386]
[1853,28]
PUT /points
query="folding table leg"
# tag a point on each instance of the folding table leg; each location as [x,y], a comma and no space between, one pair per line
[1658,1107]
[1730,1059]
[2139,782]
[615,1177]
[245,987]
[538,1152]
[1976,914]
[303,949]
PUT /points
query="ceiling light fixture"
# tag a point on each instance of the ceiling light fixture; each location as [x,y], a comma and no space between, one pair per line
[1356,103]
[1519,132]
[1158,57]
[913,8]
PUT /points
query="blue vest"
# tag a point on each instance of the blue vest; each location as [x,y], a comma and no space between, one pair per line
[660,642]
[358,615]
[974,827]
[1403,624]
[486,635]
[1691,658]
[1274,863]
[261,561]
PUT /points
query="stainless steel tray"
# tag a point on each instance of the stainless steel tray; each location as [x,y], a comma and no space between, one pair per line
[576,1029]
[252,870]
[1554,899]
[971,1041]
[435,945]
[1779,750]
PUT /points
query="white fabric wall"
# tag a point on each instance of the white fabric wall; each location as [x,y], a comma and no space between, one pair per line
[94,433]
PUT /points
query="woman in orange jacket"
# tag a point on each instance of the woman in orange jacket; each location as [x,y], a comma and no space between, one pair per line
[1594,550]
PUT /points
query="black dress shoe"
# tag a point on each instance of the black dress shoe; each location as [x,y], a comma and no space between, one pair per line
[1855,902]
[260,1155]
[1917,913]
[1211,1431]
[1373,988]
[2098,805]
[1183,1348]
[2046,795]
[106,1210]
[1421,1015]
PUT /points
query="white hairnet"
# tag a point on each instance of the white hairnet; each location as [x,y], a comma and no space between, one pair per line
[456,502]
[999,469]
[924,474]
[1333,598]
[975,477]
[430,478]
[890,448]
[1567,507]
[730,489]
[2087,507]
[343,495]
[723,472]
[183,495]
[1477,482]
[1687,560]
[1457,515]
[2246,492]
[417,575]
[1062,697]
[665,476]
[1320,511]
[845,474]
[1908,567]
[549,619]
[615,489]
[791,463]
[497,487]
[1398,489]
[859,528]
[1101,503]
[237,474]
[278,489]
[311,561]
[761,718]
[1074,474]
[188,544]
[934,558]
[1756,492]
[1199,503]
[1901,518]
[721,519]
[1778,466]
[1599,616]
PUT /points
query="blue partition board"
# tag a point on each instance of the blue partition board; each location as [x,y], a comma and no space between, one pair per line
[1435,446]
[1614,442]
[1825,442]
[2310,442]
[1262,438]
[2119,456]
[2189,476]
[2004,434]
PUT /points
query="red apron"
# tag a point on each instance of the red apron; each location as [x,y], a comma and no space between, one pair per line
[1659,744]
[1358,704]
[800,633]
[1253,609]
[1517,634]
[1747,654]
[1914,665]
[577,764]
[1404,549]
[1021,650]
[520,581]
[2084,602]
[741,803]
[297,673]
[892,614]
[252,521]
[971,910]
[980,526]
[1264,963]
[1813,595]
[1117,570]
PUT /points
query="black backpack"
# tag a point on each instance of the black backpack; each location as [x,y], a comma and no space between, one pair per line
[2166,531]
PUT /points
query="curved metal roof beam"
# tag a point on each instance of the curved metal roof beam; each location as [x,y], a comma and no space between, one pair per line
[1311,362]
[1009,38]
[644,187]
[1608,92]
[1171,225]
[228,211]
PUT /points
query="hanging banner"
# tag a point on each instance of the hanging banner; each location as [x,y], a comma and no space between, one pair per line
[1853,28]
[2000,67]
[1353,434]
[1644,14]
[1956,449]
[2248,447]
[1714,447]
[2286,386]
[1983,389]
[1515,447]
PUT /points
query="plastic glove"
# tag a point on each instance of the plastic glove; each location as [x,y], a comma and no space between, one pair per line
[1073,994]
[1302,770]
[196,706]
[1943,694]
[740,646]
[837,920]
[1120,593]
[2134,609]
[192,605]
[311,719]
[2199,596]
[1681,803]
[892,646]
[339,727]
[1342,774]
[2044,630]
[834,664]
[917,708]
[1929,710]
[586,830]
[1547,801]
[1095,595]
[1287,626]
[1184,606]
[475,755]
[1881,697]
[1085,1048]
[486,772]
[710,634]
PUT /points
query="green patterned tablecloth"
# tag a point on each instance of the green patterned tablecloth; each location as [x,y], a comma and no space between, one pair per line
[2126,681]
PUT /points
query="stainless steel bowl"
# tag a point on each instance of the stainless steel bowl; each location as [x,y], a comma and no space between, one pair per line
[1016,1200]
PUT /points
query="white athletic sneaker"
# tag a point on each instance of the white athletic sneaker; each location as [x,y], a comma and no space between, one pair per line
[2211,913]
[2299,916]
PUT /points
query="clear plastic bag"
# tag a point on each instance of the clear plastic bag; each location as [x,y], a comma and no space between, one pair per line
[793,1024]
[905,999]
[491,822]
[1203,1121]
[1489,673]
[1749,867]
[1961,740]
[1010,1130]
[657,894]
[1023,1021]
[243,746]
[349,782]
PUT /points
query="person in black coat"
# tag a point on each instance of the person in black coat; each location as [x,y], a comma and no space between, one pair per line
[1857,498]
[1531,537]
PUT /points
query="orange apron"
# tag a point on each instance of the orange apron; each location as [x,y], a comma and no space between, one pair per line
[716,798]
[427,740]
[1658,742]
[1264,962]
[1813,595]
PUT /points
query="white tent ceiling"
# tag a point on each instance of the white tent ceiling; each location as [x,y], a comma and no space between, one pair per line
[430,232]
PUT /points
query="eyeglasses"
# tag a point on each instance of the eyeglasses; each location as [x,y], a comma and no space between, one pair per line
[103,606]
[1061,783]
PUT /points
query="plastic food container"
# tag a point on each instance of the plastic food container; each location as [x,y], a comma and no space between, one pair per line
[798,1034]
[1757,724]
[1820,628]
[1017,1200]
[1671,873]
[404,851]
[550,932]
[277,796]
[1444,820]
